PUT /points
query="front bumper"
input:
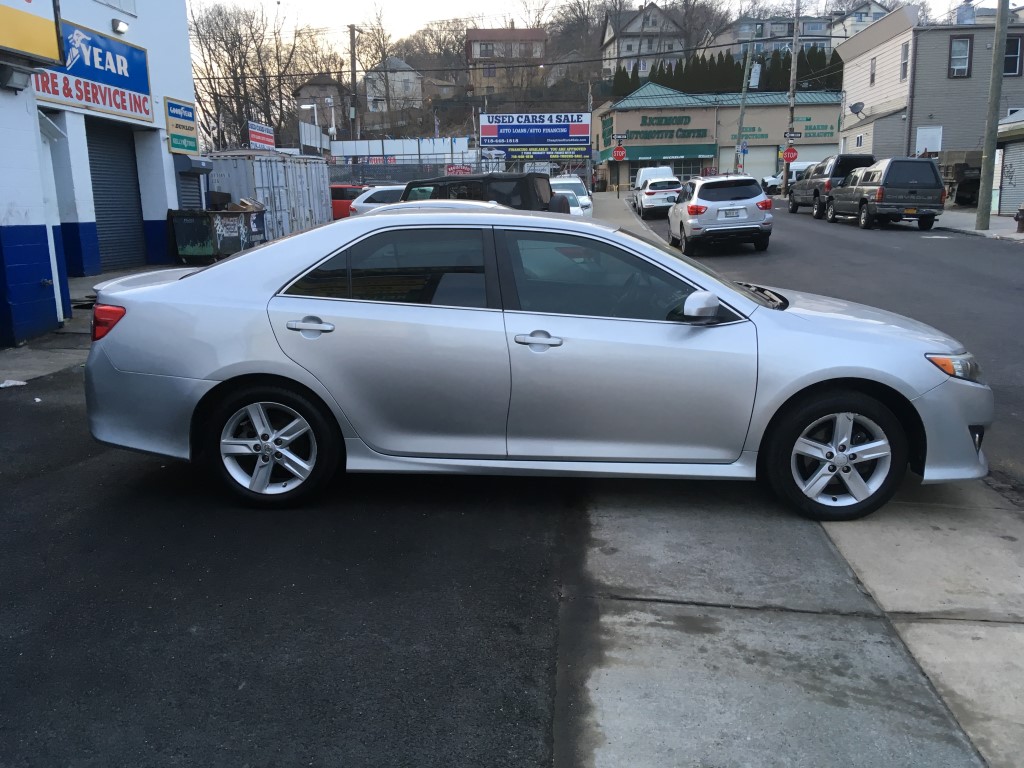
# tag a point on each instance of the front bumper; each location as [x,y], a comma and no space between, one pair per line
[949,412]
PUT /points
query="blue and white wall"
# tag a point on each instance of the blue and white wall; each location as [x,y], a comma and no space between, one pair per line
[47,212]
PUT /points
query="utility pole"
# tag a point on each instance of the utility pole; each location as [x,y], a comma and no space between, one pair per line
[995,92]
[743,106]
[355,135]
[792,92]
[590,153]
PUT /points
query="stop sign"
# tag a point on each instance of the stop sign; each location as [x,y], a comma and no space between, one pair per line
[619,154]
[790,154]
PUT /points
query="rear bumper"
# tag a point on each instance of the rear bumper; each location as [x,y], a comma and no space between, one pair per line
[900,211]
[744,232]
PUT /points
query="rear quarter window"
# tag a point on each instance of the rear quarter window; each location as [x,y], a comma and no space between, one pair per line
[845,165]
[904,173]
[722,191]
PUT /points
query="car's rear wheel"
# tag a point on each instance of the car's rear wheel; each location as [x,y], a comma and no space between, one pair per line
[271,445]
[837,456]
[818,208]
[830,212]
[761,242]
[640,209]
[864,218]
[793,207]
[925,224]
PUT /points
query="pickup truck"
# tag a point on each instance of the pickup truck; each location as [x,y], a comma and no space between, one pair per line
[889,191]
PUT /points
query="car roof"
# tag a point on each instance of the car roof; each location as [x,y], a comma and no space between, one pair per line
[349,186]
[383,187]
[480,177]
[725,177]
[440,205]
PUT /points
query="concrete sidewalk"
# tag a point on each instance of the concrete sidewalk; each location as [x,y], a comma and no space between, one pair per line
[963,220]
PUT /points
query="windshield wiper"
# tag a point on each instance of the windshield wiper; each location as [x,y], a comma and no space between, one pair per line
[773,298]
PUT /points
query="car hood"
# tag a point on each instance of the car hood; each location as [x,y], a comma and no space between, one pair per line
[848,317]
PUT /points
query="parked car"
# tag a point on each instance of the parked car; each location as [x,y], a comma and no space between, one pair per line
[375,197]
[342,196]
[718,209]
[524,191]
[652,172]
[655,195]
[815,184]
[574,184]
[772,185]
[890,191]
[387,343]
[575,209]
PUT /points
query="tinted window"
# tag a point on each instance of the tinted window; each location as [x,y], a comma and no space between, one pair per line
[567,275]
[440,267]
[385,196]
[345,193]
[846,164]
[504,192]
[734,189]
[663,185]
[543,187]
[906,173]
[429,192]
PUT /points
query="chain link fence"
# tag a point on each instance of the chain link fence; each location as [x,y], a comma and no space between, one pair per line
[401,170]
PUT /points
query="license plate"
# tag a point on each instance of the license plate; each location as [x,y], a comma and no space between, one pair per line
[732,214]
[910,210]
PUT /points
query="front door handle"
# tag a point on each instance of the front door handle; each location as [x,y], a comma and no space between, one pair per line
[539,338]
[309,324]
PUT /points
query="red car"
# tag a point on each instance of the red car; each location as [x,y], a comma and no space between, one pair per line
[342,196]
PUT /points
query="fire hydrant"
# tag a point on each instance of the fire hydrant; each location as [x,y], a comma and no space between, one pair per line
[1019,218]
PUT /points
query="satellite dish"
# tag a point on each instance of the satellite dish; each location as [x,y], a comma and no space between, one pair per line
[857,107]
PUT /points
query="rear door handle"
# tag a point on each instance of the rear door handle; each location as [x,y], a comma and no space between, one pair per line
[539,338]
[309,324]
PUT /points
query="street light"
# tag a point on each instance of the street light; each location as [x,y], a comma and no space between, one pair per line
[313,107]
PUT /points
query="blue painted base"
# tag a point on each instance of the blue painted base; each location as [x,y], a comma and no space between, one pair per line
[62,272]
[156,242]
[81,248]
[27,306]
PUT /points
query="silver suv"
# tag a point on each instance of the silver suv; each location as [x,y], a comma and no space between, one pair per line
[718,209]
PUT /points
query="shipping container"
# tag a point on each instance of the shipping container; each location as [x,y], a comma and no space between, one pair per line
[294,189]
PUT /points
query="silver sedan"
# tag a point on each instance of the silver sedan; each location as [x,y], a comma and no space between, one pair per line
[527,344]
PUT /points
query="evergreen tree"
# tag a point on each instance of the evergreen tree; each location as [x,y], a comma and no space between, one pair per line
[658,74]
[678,76]
[733,81]
[817,61]
[710,75]
[688,80]
[803,70]
[775,73]
[620,85]
[834,81]
[634,78]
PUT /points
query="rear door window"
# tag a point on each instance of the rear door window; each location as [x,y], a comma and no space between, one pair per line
[385,196]
[907,173]
[845,165]
[732,189]
[661,186]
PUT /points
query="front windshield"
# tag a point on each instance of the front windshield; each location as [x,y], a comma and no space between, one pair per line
[662,246]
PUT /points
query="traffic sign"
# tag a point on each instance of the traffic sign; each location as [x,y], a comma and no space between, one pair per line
[743,146]
[619,154]
[618,136]
[790,154]
[793,134]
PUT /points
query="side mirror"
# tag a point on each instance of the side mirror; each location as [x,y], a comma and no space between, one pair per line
[671,198]
[700,308]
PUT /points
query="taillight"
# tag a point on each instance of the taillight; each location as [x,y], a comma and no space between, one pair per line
[696,210]
[764,205]
[828,185]
[942,197]
[352,209]
[648,192]
[104,318]
[880,194]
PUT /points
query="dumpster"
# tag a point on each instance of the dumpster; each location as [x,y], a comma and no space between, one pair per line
[202,237]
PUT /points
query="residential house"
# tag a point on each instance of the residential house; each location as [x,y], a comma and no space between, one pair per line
[505,61]
[913,89]
[773,34]
[845,25]
[640,37]
[393,86]
[332,100]
[434,89]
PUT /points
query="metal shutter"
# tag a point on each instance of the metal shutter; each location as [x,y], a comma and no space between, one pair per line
[190,197]
[115,191]
[1011,186]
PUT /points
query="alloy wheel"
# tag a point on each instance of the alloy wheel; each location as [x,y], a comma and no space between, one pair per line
[268,448]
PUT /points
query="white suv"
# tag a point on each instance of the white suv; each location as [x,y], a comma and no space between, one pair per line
[654,195]
[574,184]
[718,209]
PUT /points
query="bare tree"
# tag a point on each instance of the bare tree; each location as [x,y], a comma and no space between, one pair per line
[373,49]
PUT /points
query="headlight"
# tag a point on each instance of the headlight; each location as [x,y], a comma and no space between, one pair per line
[959,366]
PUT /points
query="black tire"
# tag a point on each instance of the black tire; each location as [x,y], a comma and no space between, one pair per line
[761,242]
[672,239]
[818,208]
[793,207]
[864,218]
[925,224]
[830,212]
[782,465]
[320,448]
[642,212]
[689,247]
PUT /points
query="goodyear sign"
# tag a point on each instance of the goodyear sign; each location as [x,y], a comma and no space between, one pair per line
[99,73]
[31,29]
[182,134]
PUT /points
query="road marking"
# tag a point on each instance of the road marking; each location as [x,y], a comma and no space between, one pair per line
[936,237]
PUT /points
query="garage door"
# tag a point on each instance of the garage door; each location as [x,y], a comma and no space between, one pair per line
[759,161]
[115,190]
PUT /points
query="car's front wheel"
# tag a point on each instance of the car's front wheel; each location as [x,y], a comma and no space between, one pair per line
[836,456]
[793,207]
[818,209]
[830,212]
[271,445]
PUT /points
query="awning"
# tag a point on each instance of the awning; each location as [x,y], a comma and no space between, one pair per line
[665,152]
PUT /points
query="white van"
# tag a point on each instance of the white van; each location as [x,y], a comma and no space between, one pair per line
[654,172]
